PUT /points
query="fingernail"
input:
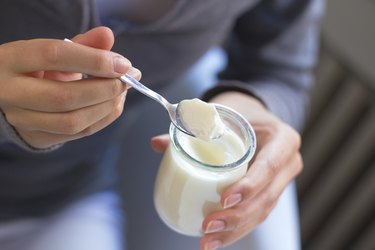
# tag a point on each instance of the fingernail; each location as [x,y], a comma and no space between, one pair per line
[121,65]
[215,226]
[213,245]
[232,200]
[135,73]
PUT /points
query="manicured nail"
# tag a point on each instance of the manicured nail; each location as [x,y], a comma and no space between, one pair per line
[121,65]
[134,72]
[215,226]
[232,200]
[213,245]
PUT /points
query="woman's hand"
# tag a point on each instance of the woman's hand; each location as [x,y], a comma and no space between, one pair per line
[248,202]
[43,95]
[277,161]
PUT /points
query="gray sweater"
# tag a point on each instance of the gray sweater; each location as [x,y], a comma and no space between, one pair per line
[271,47]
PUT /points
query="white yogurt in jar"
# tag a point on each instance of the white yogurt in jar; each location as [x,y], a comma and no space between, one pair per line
[194,173]
[201,119]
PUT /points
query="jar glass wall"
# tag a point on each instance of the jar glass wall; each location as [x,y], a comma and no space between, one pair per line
[193,173]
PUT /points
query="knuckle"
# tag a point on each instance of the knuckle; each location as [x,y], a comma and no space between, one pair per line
[88,131]
[273,167]
[117,111]
[16,122]
[71,124]
[51,53]
[248,186]
[299,164]
[3,53]
[234,220]
[37,139]
[294,138]
[101,62]
[118,107]
[12,119]
[270,200]
[263,216]
[298,139]
[64,99]
[116,87]
[267,209]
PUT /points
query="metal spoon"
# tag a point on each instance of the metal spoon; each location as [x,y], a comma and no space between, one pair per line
[172,109]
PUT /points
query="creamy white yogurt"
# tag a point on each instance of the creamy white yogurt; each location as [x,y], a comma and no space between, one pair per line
[201,119]
[184,192]
[194,172]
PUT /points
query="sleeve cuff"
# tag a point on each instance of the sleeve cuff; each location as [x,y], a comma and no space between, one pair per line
[226,86]
[10,135]
[289,104]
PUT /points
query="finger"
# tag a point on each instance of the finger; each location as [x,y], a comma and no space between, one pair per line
[67,123]
[53,96]
[62,76]
[58,55]
[160,143]
[40,140]
[219,240]
[66,76]
[271,158]
[231,220]
[237,223]
[255,210]
[99,37]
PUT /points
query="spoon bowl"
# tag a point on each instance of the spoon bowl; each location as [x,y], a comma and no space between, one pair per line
[172,108]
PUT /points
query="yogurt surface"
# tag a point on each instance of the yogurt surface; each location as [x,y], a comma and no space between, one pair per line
[201,119]
[184,192]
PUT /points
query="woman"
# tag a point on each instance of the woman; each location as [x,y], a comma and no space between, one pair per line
[61,134]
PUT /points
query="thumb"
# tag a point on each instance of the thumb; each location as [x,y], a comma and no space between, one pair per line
[99,37]
[160,143]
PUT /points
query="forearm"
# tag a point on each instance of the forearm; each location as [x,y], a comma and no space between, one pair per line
[284,101]
[275,67]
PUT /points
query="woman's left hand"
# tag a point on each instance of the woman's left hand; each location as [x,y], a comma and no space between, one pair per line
[248,202]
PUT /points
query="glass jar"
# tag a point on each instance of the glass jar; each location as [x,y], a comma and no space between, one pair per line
[194,173]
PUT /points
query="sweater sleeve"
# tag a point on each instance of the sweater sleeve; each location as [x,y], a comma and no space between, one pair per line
[9,135]
[272,51]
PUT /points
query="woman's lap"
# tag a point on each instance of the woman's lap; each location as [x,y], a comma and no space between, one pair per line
[94,223]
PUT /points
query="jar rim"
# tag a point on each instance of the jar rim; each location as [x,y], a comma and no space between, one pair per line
[249,141]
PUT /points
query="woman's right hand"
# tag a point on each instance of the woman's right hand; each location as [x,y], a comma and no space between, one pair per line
[43,95]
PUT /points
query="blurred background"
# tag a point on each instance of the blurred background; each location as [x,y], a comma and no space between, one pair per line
[337,187]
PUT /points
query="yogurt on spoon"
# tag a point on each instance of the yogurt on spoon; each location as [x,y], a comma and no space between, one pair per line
[201,119]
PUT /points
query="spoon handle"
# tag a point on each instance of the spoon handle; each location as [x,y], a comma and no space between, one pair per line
[144,90]
[171,108]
